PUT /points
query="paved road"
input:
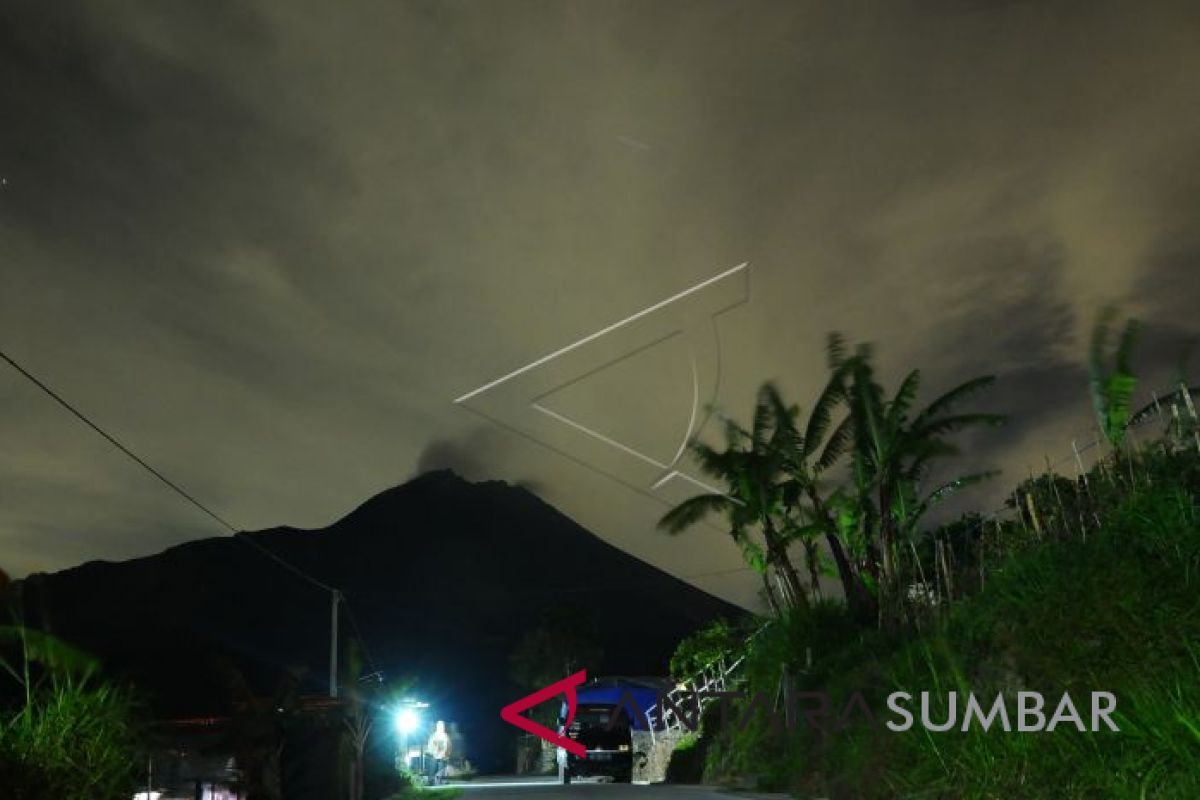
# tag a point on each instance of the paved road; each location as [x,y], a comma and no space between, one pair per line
[540,789]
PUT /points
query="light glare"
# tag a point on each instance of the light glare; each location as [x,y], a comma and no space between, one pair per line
[407,721]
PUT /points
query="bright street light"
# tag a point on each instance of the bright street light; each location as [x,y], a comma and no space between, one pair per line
[407,721]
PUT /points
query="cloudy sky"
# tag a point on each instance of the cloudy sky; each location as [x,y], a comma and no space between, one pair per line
[267,244]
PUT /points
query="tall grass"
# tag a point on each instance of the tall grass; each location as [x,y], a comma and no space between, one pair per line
[71,736]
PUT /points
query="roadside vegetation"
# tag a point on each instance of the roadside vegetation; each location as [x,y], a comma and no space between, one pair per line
[67,734]
[1088,583]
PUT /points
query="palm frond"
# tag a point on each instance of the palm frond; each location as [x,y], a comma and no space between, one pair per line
[922,453]
[821,415]
[791,492]
[735,434]
[947,425]
[715,463]
[762,417]
[693,510]
[778,409]
[906,395]
[952,398]
[802,532]
[1112,390]
[1125,346]
[837,444]
[835,350]
[784,435]
[962,482]
[753,554]
[869,410]
[1118,407]
[944,491]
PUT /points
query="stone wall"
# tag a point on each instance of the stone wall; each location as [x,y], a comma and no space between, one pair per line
[652,755]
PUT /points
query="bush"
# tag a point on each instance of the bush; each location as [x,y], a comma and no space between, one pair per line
[73,737]
[702,648]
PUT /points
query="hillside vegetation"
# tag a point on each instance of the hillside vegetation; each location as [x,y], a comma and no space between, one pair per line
[1118,613]
[1087,584]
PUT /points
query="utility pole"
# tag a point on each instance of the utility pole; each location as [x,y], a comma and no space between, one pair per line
[333,643]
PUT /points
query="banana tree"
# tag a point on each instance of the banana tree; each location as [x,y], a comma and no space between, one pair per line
[750,471]
[1112,389]
[807,455]
[893,447]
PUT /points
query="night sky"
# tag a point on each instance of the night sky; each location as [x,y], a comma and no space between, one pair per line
[268,244]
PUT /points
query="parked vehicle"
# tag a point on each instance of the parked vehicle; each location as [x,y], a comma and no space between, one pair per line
[604,725]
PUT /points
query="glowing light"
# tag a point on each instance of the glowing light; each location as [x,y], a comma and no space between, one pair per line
[407,720]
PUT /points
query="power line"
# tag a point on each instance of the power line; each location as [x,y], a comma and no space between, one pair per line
[361,639]
[239,535]
[170,484]
[113,441]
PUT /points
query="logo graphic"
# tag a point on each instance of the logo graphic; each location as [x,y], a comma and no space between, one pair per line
[680,709]
[511,713]
[685,326]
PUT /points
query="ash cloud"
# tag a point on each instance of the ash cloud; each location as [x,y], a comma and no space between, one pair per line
[476,455]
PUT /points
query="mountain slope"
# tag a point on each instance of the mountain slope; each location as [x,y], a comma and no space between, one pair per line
[442,576]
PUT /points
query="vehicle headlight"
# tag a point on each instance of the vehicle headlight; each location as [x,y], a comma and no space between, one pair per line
[623,747]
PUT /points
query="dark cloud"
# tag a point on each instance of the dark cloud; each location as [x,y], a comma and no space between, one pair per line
[475,454]
[267,243]
[479,454]
[1011,308]
[1166,287]
[140,158]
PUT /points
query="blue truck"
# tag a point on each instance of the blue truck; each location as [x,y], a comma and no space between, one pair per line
[607,711]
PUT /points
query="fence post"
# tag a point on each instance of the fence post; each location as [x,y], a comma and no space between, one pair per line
[1033,515]
[1187,401]
[1079,464]
[1062,509]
